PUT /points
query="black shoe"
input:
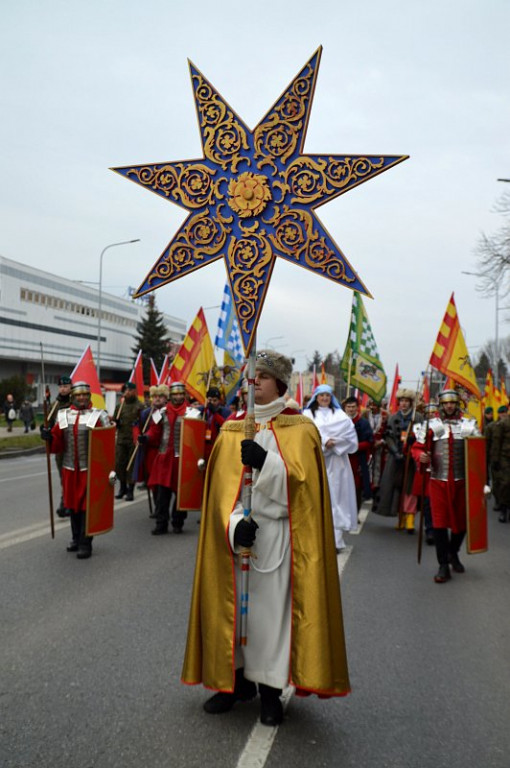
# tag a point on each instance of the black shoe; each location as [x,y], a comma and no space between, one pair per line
[159,531]
[177,529]
[244,690]
[122,492]
[410,531]
[456,564]
[84,553]
[153,515]
[429,539]
[129,495]
[502,516]
[443,574]
[271,708]
[72,546]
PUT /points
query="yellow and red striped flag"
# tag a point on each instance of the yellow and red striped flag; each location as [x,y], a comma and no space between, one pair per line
[85,370]
[504,395]
[163,376]
[137,376]
[450,354]
[195,359]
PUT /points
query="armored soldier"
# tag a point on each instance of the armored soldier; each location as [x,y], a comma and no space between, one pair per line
[126,416]
[398,474]
[63,400]
[69,436]
[442,446]
[164,433]
[499,459]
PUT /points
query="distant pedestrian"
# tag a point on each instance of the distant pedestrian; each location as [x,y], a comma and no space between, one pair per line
[26,414]
[9,411]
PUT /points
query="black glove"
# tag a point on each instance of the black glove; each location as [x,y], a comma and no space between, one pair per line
[117,423]
[496,466]
[245,532]
[252,454]
[142,439]
[46,433]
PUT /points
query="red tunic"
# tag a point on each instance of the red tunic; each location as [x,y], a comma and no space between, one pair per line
[165,466]
[74,481]
[447,497]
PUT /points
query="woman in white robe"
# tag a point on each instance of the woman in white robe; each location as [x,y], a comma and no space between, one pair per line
[338,436]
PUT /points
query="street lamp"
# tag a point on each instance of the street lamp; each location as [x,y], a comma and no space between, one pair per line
[100,299]
[272,338]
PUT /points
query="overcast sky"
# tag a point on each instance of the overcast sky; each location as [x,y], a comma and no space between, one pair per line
[90,85]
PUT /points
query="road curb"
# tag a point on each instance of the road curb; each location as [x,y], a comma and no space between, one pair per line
[26,452]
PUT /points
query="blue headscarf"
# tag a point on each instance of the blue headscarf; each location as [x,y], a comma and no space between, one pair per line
[319,391]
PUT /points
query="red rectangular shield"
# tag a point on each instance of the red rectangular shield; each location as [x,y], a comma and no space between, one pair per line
[476,504]
[99,490]
[191,478]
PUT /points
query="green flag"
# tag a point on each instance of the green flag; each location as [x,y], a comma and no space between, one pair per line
[360,364]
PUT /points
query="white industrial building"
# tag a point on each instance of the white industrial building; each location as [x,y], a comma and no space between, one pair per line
[47,318]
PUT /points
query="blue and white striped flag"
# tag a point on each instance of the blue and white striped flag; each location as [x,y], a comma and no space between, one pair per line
[228,336]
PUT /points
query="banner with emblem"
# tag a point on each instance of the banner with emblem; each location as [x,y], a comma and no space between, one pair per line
[361,364]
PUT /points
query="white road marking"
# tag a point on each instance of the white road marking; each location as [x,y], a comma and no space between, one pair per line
[21,477]
[260,740]
[20,535]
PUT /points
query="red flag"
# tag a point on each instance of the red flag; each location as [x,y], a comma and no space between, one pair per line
[315,380]
[164,371]
[299,391]
[85,370]
[154,374]
[393,406]
[323,375]
[137,376]
[364,400]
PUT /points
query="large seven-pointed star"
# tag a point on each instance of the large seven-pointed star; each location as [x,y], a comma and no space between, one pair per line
[252,197]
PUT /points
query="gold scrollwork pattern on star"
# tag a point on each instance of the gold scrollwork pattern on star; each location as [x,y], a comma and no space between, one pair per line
[278,135]
[310,179]
[224,136]
[296,237]
[190,185]
[248,260]
[201,237]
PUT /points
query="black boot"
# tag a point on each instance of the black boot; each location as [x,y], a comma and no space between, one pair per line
[129,493]
[442,552]
[61,510]
[455,544]
[244,690]
[75,531]
[122,491]
[271,708]
[503,515]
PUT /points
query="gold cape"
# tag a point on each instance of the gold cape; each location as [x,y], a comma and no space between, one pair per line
[318,662]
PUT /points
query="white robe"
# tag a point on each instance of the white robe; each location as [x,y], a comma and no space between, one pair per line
[336,425]
[265,658]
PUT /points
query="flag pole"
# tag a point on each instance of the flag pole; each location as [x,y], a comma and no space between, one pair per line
[47,446]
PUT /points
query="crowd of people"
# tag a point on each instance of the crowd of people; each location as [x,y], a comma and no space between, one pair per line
[282,489]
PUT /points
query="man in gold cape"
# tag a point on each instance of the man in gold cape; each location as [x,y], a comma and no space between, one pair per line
[295,627]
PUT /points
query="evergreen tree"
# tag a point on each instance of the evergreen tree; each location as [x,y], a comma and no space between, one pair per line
[316,360]
[152,338]
[482,367]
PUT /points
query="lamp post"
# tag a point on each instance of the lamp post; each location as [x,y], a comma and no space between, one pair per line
[100,299]
[272,338]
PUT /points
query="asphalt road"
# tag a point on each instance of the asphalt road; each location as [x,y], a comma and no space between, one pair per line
[90,653]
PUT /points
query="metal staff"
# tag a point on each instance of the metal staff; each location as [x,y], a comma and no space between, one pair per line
[249,433]
[48,455]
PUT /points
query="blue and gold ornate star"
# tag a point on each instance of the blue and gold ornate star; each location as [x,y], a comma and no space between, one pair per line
[253,195]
